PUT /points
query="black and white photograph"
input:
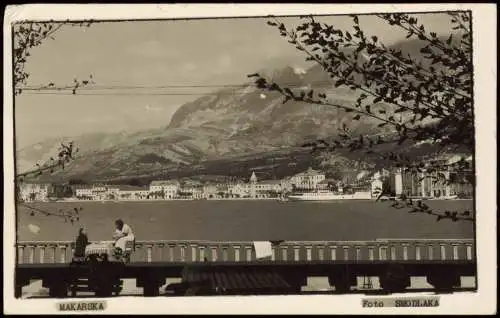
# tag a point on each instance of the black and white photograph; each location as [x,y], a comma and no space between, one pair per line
[269,154]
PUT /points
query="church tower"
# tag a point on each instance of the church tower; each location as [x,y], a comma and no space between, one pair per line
[253,182]
[253,178]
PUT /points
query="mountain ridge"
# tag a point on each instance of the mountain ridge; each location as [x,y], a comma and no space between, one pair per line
[234,121]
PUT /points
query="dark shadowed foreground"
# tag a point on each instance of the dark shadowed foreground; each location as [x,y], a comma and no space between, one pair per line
[247,220]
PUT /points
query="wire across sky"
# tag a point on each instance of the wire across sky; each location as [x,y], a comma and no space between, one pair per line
[163,90]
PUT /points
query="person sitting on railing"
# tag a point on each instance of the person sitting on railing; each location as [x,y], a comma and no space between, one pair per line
[81,243]
[123,234]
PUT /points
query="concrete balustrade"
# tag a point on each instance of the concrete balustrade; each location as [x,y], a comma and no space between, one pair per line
[199,251]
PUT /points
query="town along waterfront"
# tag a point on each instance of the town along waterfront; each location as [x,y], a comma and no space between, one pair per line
[247,221]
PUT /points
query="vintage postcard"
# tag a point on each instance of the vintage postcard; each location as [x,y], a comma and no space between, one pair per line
[255,158]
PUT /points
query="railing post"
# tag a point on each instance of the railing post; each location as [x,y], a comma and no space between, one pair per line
[371,255]
[202,253]
[236,253]
[296,252]
[358,253]
[31,254]
[248,256]
[284,254]
[63,254]
[183,252]
[53,258]
[214,253]
[309,253]
[382,253]
[161,247]
[194,252]
[42,253]
[149,253]
[431,252]
[321,252]
[20,256]
[455,251]
[443,251]
[469,252]
[224,254]
[333,251]
[418,256]
[346,252]
[393,253]
[171,249]
[273,256]
[405,251]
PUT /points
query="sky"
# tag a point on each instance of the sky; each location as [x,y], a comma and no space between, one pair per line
[158,53]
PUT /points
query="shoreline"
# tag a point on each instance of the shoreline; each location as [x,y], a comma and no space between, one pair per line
[231,199]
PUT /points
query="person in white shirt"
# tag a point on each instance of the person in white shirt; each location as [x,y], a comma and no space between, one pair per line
[123,234]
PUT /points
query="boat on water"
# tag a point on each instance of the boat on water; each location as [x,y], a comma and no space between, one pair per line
[329,196]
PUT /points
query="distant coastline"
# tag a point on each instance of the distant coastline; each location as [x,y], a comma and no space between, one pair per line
[230,199]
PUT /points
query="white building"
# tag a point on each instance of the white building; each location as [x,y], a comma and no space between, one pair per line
[83,191]
[128,192]
[268,185]
[166,189]
[239,189]
[97,192]
[286,185]
[307,180]
[209,191]
[191,191]
[376,185]
[34,191]
[398,182]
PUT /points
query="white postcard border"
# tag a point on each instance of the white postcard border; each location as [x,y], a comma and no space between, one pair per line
[484,37]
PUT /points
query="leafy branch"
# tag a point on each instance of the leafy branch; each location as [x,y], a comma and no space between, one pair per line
[65,154]
[417,206]
[71,216]
[424,98]
[396,90]
[28,35]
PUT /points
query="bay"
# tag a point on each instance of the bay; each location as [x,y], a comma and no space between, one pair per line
[247,221]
